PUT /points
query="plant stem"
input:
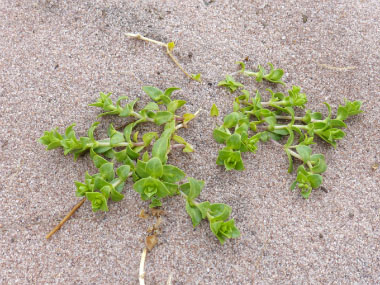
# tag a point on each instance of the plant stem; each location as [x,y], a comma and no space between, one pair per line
[286,126]
[137,115]
[177,63]
[76,207]
[138,144]
[140,37]
[100,144]
[184,124]
[300,158]
[272,103]
[142,265]
[168,50]
[289,118]
[178,145]
[295,154]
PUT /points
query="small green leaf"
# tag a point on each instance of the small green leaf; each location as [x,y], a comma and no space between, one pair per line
[290,159]
[214,111]
[98,160]
[153,92]
[318,162]
[145,156]
[151,188]
[140,169]
[160,149]
[168,92]
[123,172]
[194,213]
[195,188]
[99,182]
[187,118]
[172,174]
[154,167]
[172,188]
[203,208]
[304,151]
[274,75]
[231,120]
[174,105]
[98,201]
[230,160]
[171,46]
[162,117]
[107,172]
[92,129]
[224,230]
[106,191]
[220,136]
[181,140]
[148,137]
[196,77]
[136,137]
[116,196]
[155,203]
[230,83]
[219,212]
[315,180]
[234,142]
[116,138]
[82,189]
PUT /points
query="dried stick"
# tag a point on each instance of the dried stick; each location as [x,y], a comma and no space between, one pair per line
[142,265]
[168,50]
[76,207]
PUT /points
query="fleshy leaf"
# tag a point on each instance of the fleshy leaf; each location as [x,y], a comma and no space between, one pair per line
[214,111]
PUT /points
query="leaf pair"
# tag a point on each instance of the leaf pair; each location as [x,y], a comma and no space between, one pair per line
[273,76]
[156,181]
[215,213]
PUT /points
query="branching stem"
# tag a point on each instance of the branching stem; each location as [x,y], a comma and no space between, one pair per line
[289,118]
[183,124]
[300,158]
[296,155]
[168,50]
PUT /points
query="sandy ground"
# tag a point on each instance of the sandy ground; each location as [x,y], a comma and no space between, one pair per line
[56,56]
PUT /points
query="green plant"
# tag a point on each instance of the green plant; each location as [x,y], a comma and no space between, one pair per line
[143,158]
[253,120]
[273,76]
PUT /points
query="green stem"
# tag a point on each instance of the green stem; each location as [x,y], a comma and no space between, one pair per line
[144,119]
[279,103]
[122,144]
[119,181]
[289,118]
[310,166]
[296,155]
[286,126]
[250,73]
[185,196]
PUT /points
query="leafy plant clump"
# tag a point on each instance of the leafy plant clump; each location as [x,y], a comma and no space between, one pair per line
[129,155]
[254,120]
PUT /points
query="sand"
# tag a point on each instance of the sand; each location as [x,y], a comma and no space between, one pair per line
[55,58]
